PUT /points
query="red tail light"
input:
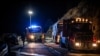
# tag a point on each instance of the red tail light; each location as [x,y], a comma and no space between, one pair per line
[72,39]
[94,39]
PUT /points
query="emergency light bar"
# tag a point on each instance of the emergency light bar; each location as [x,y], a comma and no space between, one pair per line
[34,26]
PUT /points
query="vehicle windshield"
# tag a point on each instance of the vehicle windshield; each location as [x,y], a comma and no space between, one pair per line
[35,30]
[83,27]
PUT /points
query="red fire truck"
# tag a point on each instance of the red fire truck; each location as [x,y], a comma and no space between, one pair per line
[34,33]
[74,34]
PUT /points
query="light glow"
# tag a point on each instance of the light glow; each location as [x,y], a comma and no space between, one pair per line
[72,21]
[34,26]
[32,36]
[77,44]
[94,45]
[98,41]
[86,20]
[83,20]
[78,19]
[58,38]
[90,22]
[30,12]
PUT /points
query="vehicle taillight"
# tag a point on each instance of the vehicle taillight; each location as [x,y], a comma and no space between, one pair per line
[94,44]
[94,39]
[72,39]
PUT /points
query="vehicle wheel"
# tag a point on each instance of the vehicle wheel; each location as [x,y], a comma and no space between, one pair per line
[62,45]
[69,48]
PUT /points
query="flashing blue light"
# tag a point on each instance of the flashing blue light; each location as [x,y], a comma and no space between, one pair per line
[34,26]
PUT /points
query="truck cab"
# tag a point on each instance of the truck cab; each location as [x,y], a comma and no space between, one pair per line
[76,34]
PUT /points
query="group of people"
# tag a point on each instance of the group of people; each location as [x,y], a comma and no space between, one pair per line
[10,39]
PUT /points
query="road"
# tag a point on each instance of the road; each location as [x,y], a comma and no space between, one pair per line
[48,49]
[35,49]
[64,52]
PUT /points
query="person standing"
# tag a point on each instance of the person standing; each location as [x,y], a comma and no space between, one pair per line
[23,38]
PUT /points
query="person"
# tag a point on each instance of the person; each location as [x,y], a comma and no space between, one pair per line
[10,40]
[23,38]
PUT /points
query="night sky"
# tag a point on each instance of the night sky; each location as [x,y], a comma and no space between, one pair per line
[14,16]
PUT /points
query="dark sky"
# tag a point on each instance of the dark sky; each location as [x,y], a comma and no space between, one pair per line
[14,16]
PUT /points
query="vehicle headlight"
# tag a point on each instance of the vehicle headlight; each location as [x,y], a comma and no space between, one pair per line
[32,36]
[94,45]
[77,44]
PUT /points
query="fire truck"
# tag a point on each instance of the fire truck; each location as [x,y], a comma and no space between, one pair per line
[34,33]
[74,34]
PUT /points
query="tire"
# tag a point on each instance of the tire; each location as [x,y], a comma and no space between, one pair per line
[68,46]
[62,45]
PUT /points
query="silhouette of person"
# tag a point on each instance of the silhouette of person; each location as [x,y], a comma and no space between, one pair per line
[23,38]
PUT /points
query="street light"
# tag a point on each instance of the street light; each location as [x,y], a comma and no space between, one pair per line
[30,12]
